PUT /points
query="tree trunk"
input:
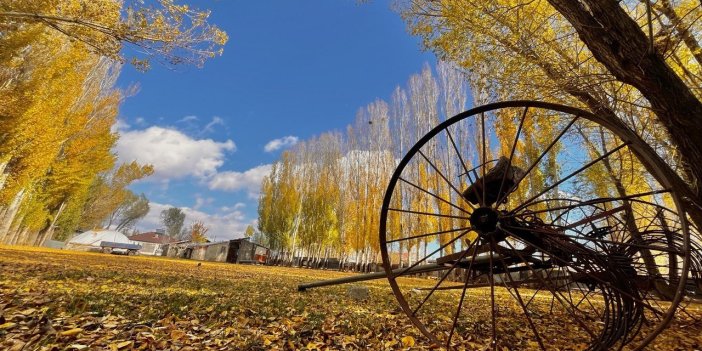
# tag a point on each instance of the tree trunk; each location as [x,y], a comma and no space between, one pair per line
[49,232]
[22,236]
[9,217]
[618,42]
[15,231]
[683,30]
[3,175]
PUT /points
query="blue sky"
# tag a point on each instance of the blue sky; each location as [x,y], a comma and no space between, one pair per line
[291,70]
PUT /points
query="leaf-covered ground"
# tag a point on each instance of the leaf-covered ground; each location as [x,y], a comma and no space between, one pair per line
[64,300]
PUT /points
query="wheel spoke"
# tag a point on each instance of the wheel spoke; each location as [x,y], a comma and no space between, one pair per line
[491,279]
[463,164]
[572,174]
[428,234]
[434,195]
[431,254]
[548,148]
[453,266]
[463,296]
[511,155]
[518,297]
[426,213]
[431,164]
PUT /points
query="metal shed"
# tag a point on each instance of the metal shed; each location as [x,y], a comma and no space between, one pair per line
[232,251]
[248,252]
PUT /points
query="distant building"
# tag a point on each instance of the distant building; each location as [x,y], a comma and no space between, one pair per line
[232,251]
[178,249]
[152,243]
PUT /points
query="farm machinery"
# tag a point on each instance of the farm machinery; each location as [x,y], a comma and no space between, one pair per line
[540,215]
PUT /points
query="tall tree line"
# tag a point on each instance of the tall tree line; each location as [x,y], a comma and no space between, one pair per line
[59,60]
[323,197]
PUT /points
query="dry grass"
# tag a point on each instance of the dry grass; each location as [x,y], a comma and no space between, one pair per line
[56,300]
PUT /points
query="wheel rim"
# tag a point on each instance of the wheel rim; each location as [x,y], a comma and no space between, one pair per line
[513,227]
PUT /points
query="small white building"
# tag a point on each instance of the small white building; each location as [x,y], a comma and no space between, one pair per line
[151,242]
[91,239]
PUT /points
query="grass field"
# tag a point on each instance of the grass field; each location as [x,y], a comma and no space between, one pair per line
[64,300]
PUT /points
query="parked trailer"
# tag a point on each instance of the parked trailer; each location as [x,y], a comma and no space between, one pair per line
[113,247]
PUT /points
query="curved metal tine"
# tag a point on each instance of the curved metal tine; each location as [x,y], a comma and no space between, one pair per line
[604,241]
[455,264]
[484,166]
[570,296]
[434,195]
[518,297]
[426,213]
[683,308]
[556,295]
[511,155]
[590,218]
[576,308]
[567,215]
[429,234]
[460,158]
[567,285]
[460,302]
[399,274]
[588,274]
[572,174]
[653,219]
[548,148]
[659,306]
[591,202]
[584,298]
[444,178]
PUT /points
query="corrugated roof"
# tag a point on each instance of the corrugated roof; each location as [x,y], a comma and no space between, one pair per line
[151,237]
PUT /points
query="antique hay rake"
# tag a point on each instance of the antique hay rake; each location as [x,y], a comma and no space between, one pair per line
[538,214]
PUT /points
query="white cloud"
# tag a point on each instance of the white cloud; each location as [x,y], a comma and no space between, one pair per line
[209,128]
[280,143]
[237,206]
[223,226]
[187,119]
[119,126]
[233,181]
[172,153]
[202,201]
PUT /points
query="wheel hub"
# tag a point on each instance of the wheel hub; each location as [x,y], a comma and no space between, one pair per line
[484,220]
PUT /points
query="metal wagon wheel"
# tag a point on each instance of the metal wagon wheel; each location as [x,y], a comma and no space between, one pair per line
[555,227]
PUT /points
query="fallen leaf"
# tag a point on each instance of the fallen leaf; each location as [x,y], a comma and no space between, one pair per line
[407,341]
[7,325]
[71,332]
